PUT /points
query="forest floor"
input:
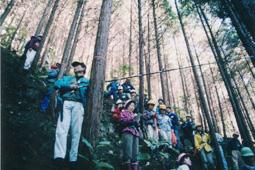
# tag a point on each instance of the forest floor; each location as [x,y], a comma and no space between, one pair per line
[28,135]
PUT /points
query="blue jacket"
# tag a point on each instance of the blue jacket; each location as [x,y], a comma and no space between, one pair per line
[127,87]
[148,117]
[187,127]
[233,144]
[174,119]
[63,85]
[164,123]
[114,86]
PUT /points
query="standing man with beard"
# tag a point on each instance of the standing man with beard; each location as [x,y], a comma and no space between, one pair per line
[73,91]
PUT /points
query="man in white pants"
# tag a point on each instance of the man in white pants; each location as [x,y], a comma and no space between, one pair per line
[73,91]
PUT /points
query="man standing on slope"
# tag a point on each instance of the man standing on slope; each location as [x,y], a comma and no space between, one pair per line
[73,91]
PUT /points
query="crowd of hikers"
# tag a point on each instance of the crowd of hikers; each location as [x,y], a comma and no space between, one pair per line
[159,124]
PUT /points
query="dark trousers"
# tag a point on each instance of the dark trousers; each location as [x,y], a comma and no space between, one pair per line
[130,147]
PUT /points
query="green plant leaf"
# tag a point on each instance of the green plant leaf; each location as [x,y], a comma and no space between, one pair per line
[83,157]
[144,156]
[100,165]
[87,143]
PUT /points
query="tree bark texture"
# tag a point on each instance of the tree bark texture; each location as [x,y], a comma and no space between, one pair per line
[141,63]
[94,106]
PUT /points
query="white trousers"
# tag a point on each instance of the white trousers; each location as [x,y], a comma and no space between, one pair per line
[73,113]
[151,133]
[30,57]
[167,136]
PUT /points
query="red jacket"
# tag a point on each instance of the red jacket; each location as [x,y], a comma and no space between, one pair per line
[117,113]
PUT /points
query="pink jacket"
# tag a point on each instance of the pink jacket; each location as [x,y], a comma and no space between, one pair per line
[128,123]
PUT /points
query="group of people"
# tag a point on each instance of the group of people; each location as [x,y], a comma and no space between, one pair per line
[162,124]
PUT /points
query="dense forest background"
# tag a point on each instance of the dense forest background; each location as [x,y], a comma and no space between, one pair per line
[198,55]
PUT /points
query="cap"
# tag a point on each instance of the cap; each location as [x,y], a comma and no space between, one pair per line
[246,151]
[160,99]
[169,107]
[129,101]
[53,67]
[181,156]
[120,88]
[76,63]
[188,115]
[236,133]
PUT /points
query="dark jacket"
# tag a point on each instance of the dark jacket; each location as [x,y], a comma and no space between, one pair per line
[114,86]
[174,119]
[34,43]
[127,87]
[187,127]
[233,144]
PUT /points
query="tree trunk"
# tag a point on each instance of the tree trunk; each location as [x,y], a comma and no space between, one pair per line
[42,21]
[16,31]
[212,132]
[166,68]
[159,53]
[94,106]
[219,103]
[6,11]
[130,41]
[232,95]
[246,112]
[241,30]
[172,93]
[141,86]
[78,30]
[69,40]
[148,59]
[45,33]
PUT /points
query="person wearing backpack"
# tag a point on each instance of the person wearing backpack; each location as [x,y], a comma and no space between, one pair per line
[233,148]
[130,136]
[122,96]
[73,92]
[118,110]
[175,120]
[52,77]
[184,162]
[203,147]
[165,126]
[187,129]
[30,50]
[114,88]
[151,121]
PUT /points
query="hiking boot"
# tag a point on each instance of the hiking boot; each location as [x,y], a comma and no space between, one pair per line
[59,162]
[135,166]
[127,166]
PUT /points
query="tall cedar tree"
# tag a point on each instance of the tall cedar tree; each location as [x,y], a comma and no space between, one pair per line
[78,30]
[43,19]
[45,33]
[226,78]
[94,106]
[158,52]
[69,40]
[6,11]
[201,95]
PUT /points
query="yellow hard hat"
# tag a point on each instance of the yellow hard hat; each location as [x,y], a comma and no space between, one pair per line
[162,107]
[151,102]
